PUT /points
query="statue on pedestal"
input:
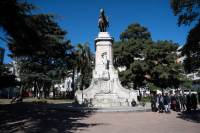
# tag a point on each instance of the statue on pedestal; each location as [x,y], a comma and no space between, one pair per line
[103,21]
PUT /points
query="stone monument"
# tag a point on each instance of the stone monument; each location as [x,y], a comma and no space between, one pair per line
[105,89]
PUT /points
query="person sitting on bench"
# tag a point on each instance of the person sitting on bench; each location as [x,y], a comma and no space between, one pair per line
[19,99]
[12,100]
[127,102]
[133,103]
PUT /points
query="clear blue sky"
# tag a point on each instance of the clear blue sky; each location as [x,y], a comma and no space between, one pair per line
[80,19]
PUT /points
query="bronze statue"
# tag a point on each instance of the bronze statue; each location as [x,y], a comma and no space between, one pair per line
[103,21]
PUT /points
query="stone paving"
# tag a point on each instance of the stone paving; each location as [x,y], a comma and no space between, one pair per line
[38,118]
[124,109]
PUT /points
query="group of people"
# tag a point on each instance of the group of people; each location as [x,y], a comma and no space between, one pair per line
[174,102]
[16,100]
[132,103]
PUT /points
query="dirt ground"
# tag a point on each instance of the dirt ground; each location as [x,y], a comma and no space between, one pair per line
[38,118]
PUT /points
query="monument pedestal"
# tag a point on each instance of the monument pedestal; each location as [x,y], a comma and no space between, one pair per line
[105,89]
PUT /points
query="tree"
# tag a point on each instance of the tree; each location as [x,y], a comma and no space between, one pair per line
[192,50]
[15,17]
[188,10]
[163,70]
[85,57]
[192,47]
[128,53]
[75,63]
[43,58]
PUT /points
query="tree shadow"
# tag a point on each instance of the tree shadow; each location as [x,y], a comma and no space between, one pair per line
[193,116]
[37,117]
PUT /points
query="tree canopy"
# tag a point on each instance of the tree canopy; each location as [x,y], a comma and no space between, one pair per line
[44,53]
[188,10]
[164,70]
[192,50]
[15,16]
[84,57]
[148,63]
[128,53]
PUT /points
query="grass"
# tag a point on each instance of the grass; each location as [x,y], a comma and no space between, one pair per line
[33,100]
[146,99]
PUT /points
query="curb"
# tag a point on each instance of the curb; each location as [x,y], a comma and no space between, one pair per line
[100,110]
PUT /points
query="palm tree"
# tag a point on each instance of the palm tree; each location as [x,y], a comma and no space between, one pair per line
[74,64]
[85,56]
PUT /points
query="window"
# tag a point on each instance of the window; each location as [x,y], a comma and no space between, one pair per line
[180,61]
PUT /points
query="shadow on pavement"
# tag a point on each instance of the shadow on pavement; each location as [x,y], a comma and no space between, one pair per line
[38,118]
[194,116]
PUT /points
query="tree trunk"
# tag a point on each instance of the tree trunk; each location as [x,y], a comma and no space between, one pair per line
[34,89]
[73,78]
[83,72]
[53,92]
[8,92]
[40,94]
[36,92]
[21,90]
[44,93]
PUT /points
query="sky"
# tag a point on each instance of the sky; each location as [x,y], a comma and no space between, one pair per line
[80,19]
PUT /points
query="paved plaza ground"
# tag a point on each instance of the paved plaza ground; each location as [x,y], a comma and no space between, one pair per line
[38,118]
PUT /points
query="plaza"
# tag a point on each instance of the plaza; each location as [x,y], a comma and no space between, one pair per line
[99,67]
[22,118]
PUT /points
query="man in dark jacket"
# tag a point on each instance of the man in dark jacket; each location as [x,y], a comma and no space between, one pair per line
[194,101]
[153,102]
[166,101]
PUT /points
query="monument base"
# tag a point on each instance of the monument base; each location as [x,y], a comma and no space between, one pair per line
[105,89]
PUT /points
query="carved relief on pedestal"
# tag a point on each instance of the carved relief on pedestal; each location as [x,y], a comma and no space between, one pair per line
[105,75]
[105,87]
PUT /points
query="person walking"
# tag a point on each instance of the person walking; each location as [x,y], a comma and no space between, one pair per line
[153,103]
[171,100]
[177,105]
[194,101]
[182,102]
[188,104]
[166,101]
[160,103]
